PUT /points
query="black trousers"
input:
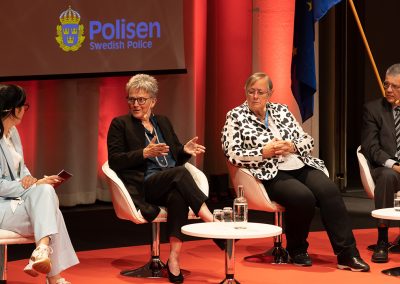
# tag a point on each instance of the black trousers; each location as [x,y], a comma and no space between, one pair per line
[387,182]
[300,191]
[175,189]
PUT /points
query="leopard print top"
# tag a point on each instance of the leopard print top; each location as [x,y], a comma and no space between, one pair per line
[244,135]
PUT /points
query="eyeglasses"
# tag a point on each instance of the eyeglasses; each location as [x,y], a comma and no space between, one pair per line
[387,85]
[25,106]
[257,91]
[139,100]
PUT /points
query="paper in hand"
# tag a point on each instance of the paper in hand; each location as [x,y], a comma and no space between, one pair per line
[64,175]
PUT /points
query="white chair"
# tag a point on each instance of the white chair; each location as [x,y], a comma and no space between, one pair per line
[369,187]
[257,199]
[9,238]
[126,209]
[365,174]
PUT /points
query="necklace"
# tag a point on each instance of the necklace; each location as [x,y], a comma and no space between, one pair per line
[161,163]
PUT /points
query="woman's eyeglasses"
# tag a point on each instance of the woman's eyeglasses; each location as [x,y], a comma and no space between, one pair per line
[257,91]
[139,100]
[25,106]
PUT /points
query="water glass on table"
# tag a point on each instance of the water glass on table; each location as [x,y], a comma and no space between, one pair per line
[228,214]
[218,215]
[396,201]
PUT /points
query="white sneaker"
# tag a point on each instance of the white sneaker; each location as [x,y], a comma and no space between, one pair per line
[39,261]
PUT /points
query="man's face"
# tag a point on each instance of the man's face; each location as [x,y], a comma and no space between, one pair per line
[392,89]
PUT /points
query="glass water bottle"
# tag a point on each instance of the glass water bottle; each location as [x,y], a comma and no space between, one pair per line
[240,209]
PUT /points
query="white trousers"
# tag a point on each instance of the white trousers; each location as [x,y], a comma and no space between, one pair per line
[40,216]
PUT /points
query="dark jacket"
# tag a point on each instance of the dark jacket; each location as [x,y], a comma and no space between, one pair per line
[125,142]
[378,137]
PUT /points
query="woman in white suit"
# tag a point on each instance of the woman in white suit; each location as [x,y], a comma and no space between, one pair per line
[29,206]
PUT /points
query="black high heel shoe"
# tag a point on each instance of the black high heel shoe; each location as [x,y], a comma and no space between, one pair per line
[174,278]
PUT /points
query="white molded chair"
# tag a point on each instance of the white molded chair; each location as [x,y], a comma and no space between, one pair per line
[366,179]
[365,174]
[125,209]
[9,238]
[257,199]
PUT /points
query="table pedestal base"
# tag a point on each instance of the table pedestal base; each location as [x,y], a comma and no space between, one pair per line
[276,255]
[395,271]
[229,280]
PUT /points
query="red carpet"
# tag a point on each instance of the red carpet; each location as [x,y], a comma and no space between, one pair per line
[206,264]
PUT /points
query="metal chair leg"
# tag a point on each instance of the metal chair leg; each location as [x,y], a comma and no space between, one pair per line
[277,254]
[3,264]
[154,267]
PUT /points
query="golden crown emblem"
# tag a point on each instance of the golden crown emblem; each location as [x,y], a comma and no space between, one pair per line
[70,16]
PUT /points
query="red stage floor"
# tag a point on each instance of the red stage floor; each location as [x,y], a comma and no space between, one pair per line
[206,264]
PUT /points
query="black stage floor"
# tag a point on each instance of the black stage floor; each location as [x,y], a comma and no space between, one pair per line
[96,226]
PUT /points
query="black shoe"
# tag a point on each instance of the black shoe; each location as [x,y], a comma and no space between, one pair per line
[354,263]
[174,278]
[300,259]
[381,251]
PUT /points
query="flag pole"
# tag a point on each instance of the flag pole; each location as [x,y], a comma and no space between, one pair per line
[371,58]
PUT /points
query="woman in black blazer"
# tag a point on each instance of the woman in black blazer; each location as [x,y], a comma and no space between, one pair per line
[146,154]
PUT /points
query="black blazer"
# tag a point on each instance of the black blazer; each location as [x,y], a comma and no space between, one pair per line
[378,137]
[125,142]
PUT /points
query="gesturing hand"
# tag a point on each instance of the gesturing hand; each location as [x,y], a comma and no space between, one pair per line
[191,147]
[154,150]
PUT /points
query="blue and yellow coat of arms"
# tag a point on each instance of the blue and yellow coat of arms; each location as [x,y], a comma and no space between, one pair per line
[70,32]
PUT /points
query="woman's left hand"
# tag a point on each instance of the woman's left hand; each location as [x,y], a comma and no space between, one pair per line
[284,147]
[28,181]
[52,180]
[192,148]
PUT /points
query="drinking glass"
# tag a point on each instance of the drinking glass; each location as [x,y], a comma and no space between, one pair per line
[396,201]
[218,215]
[228,214]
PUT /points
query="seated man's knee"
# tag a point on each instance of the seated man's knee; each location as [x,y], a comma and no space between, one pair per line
[389,175]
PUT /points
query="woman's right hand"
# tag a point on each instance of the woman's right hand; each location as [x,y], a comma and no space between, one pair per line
[28,181]
[154,150]
[268,151]
[52,180]
[278,147]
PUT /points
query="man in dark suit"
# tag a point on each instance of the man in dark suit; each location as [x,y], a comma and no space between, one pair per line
[380,144]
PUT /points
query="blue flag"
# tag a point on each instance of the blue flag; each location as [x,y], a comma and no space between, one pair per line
[303,63]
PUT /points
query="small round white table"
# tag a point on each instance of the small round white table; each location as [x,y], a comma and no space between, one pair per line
[388,214]
[226,230]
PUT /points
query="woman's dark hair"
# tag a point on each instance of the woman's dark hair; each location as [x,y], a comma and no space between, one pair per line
[11,97]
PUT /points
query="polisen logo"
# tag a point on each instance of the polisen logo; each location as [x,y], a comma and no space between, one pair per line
[70,33]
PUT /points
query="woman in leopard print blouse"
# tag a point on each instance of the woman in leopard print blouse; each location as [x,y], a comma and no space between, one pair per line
[265,138]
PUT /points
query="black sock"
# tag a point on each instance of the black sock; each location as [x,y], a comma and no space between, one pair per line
[383,234]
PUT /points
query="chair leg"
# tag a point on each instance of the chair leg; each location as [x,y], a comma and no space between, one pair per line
[154,267]
[3,264]
[395,248]
[277,254]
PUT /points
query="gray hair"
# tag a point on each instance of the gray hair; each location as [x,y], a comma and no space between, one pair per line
[255,77]
[393,70]
[143,82]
